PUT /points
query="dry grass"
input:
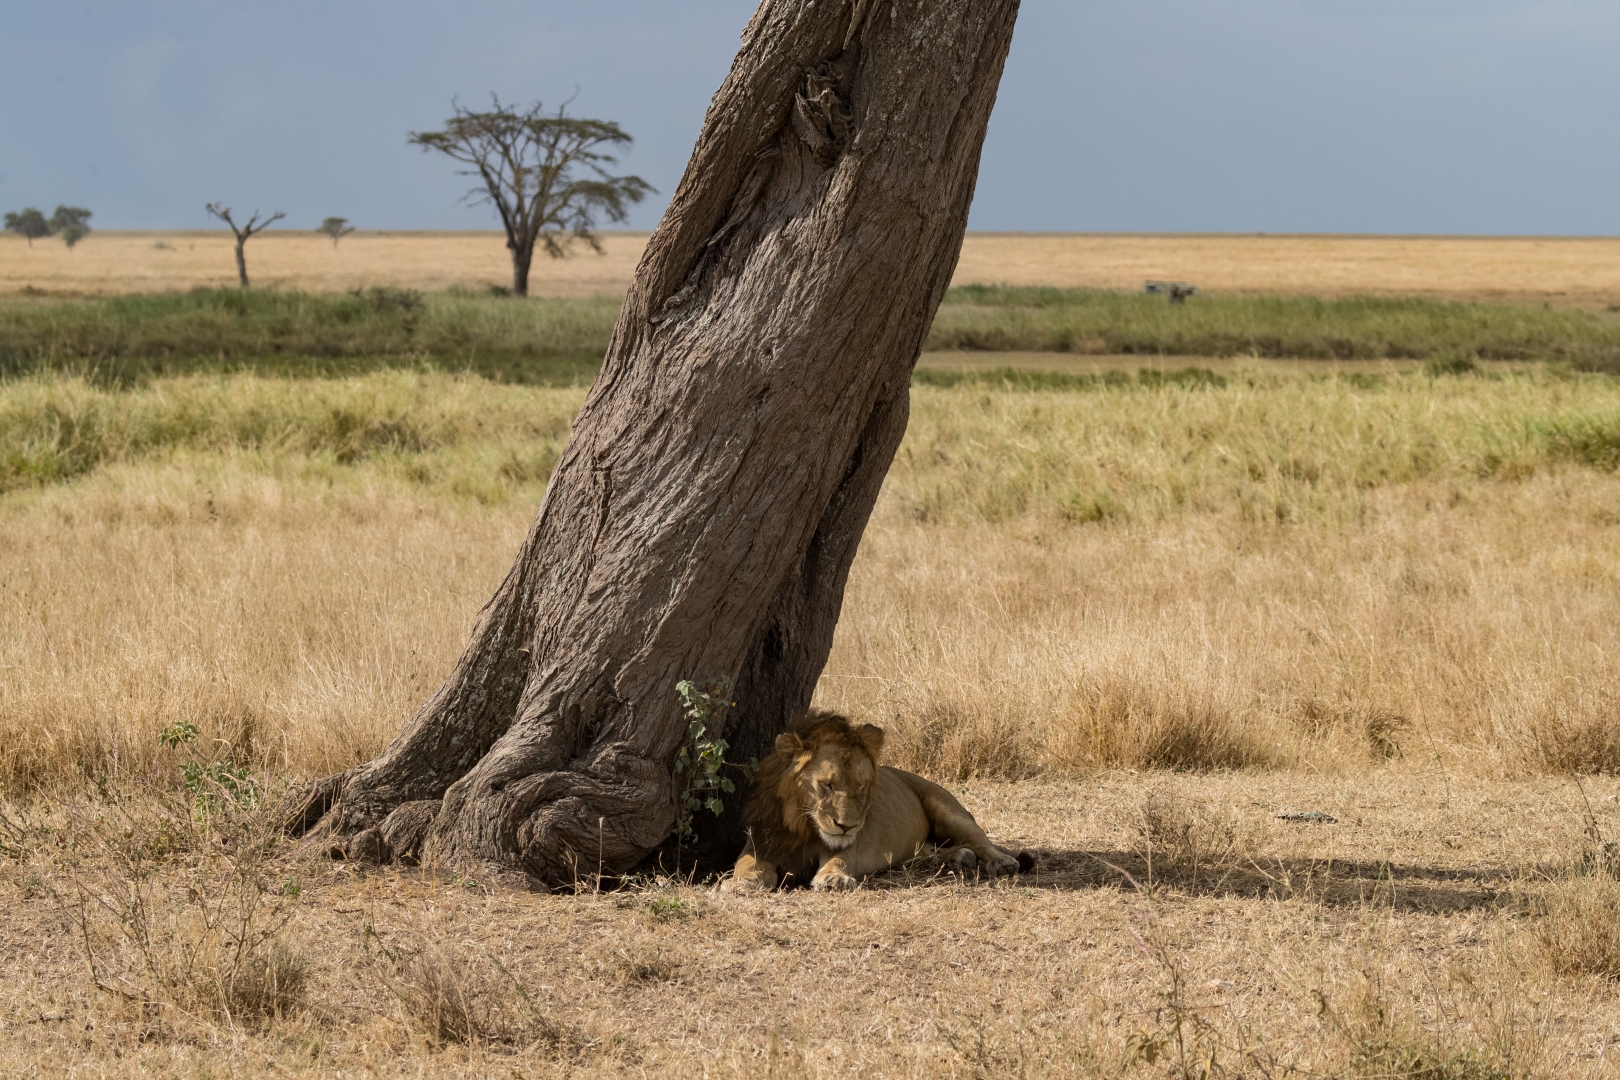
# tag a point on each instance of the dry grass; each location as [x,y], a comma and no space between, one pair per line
[1562,271]
[1389,601]
[141,262]
[1283,571]
[1416,943]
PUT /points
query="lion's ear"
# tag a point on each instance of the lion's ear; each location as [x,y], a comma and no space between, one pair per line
[788,743]
[871,737]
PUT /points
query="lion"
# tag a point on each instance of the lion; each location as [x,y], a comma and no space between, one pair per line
[824,811]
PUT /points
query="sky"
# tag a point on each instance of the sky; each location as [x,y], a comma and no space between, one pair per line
[1362,116]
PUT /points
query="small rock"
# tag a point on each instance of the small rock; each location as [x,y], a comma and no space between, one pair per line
[1313,816]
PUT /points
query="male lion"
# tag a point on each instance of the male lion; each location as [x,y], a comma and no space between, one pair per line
[824,811]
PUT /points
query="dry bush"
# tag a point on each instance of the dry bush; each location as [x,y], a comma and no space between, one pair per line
[181,904]
[448,994]
[1378,1042]
[1580,932]
[1186,838]
[1579,741]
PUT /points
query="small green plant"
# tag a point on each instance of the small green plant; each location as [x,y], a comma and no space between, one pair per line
[702,759]
[211,783]
[669,907]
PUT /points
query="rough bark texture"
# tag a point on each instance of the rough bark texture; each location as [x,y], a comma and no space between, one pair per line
[522,257]
[704,515]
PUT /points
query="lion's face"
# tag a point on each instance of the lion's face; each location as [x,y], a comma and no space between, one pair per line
[834,779]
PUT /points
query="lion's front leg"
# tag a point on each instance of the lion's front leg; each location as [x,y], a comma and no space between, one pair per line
[835,876]
[751,874]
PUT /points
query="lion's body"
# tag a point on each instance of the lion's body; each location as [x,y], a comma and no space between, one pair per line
[824,812]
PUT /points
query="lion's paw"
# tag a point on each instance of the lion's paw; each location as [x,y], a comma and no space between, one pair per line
[742,885]
[962,860]
[833,881]
[1001,865]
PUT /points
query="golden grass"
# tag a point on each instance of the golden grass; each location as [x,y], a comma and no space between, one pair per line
[141,262]
[1284,571]
[1582,272]
[1387,601]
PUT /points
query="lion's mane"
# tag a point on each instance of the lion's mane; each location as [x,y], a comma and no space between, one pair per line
[779,829]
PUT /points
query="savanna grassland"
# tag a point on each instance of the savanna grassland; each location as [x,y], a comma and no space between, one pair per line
[1133,602]
[1562,271]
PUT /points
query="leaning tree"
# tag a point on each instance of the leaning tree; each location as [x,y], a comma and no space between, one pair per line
[244,233]
[702,518]
[545,173]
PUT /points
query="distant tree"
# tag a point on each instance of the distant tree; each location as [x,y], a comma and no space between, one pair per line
[29,224]
[243,233]
[544,173]
[336,227]
[69,222]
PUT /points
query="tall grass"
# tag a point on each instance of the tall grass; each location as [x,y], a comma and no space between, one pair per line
[1364,328]
[128,338]
[1279,570]
[55,429]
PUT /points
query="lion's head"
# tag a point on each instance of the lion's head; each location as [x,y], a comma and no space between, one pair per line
[816,785]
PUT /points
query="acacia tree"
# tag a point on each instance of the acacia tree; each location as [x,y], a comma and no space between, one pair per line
[71,223]
[27,223]
[335,227]
[545,173]
[702,519]
[244,233]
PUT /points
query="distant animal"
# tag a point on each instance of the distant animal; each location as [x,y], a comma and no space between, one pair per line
[1178,291]
[823,811]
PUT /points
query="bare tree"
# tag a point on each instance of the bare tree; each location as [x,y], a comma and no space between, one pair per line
[335,227]
[545,173]
[701,521]
[243,233]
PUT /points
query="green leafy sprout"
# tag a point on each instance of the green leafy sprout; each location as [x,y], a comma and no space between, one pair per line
[703,757]
[211,783]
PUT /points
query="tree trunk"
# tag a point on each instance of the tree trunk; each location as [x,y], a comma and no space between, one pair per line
[522,257]
[241,261]
[704,515]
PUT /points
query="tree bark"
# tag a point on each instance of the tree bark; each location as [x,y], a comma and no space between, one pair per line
[241,260]
[522,257]
[704,515]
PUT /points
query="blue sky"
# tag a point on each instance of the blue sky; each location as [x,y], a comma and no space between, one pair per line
[1402,116]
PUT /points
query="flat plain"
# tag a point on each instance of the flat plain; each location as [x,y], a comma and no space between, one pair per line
[1300,678]
[1562,271]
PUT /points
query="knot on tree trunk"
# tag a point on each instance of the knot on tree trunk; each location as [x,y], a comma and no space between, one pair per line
[563,826]
[821,116]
